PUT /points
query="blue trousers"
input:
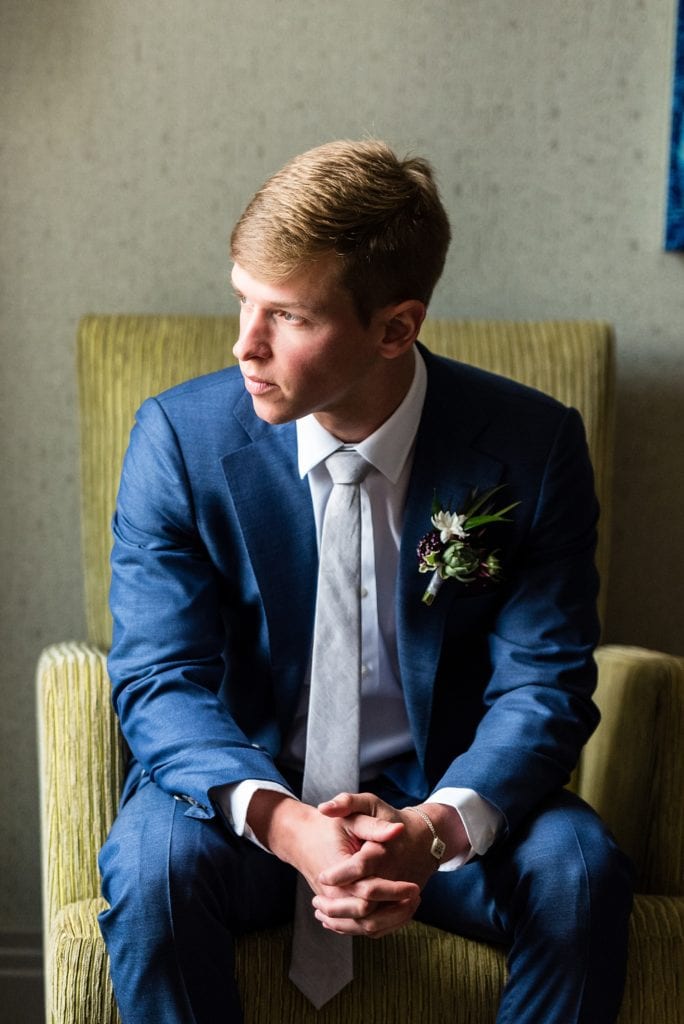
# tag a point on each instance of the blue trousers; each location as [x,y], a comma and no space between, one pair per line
[557,894]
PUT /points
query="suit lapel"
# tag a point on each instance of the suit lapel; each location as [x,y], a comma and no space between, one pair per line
[273,506]
[447,463]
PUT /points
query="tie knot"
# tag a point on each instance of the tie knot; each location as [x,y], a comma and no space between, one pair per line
[347,467]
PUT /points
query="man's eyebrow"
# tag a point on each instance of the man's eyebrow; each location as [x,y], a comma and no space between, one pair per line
[279,305]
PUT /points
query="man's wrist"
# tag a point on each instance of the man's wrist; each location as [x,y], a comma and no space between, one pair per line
[437,846]
[482,821]
[449,827]
[276,818]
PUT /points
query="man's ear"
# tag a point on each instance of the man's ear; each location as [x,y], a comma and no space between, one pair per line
[401,323]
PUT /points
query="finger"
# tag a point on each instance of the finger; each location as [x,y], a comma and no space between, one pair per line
[363,864]
[344,804]
[383,890]
[387,919]
[374,830]
[346,906]
[368,816]
[370,891]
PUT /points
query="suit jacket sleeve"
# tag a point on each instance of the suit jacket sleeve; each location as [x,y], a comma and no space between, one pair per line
[170,605]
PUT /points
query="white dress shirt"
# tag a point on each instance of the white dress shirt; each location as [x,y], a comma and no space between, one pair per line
[385,732]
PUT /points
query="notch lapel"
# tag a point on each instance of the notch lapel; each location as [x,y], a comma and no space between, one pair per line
[274,510]
[447,463]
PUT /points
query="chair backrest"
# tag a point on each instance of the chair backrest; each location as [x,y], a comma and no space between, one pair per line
[124,359]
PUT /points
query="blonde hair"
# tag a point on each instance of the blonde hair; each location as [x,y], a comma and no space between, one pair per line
[381,216]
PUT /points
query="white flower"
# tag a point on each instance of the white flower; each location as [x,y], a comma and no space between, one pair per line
[450,525]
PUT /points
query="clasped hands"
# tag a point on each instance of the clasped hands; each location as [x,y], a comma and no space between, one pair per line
[366,861]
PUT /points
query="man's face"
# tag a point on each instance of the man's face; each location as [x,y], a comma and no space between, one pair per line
[302,349]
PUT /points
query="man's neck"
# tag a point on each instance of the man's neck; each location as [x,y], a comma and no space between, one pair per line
[396,383]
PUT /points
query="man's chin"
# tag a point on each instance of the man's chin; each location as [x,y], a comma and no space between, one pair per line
[271,412]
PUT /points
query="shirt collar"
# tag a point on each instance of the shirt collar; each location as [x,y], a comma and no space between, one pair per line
[387,449]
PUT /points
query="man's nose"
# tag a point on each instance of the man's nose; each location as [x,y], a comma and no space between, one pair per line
[254,339]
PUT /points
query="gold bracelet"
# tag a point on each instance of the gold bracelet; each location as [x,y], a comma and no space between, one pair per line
[438,845]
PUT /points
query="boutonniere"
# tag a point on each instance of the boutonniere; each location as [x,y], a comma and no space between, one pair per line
[455,549]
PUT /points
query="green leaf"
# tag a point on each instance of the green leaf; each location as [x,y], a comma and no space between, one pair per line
[492,517]
[503,511]
[477,503]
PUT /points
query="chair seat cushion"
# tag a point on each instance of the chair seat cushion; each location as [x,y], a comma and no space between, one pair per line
[420,974]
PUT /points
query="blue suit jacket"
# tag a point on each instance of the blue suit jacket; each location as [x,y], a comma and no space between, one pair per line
[214,578]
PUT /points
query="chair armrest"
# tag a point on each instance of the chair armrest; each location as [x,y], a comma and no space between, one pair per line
[632,769]
[655,966]
[81,770]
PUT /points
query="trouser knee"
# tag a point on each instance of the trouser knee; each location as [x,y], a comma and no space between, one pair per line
[160,865]
[572,871]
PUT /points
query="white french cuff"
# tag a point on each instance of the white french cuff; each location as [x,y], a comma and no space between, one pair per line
[481,820]
[234,800]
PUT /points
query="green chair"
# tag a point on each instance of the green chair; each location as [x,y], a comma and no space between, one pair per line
[632,770]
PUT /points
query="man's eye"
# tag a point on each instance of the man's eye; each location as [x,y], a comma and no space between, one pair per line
[290,318]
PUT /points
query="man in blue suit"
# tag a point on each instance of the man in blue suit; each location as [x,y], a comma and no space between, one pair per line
[474,707]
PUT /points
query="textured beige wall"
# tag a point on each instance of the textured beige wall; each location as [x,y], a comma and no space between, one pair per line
[134,131]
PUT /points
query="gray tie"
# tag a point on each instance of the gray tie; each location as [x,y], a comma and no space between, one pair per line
[322,962]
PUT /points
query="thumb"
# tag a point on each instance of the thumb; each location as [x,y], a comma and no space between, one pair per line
[374,830]
[344,804]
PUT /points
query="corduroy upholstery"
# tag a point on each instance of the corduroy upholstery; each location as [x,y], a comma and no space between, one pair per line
[632,770]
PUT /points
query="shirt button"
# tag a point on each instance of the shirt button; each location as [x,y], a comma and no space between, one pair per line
[364,591]
[364,671]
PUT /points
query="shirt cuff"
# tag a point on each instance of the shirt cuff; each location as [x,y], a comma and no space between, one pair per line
[481,820]
[234,799]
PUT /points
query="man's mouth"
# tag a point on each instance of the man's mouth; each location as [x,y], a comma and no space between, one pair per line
[256,386]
